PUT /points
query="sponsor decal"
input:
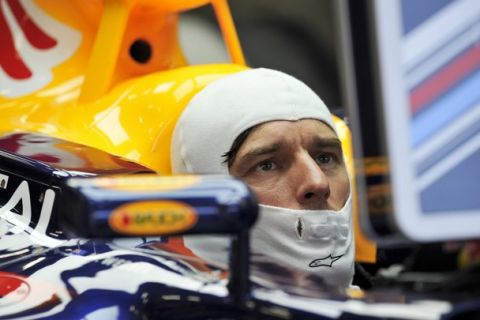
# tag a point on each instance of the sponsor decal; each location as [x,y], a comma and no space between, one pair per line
[147,183]
[13,289]
[24,220]
[152,218]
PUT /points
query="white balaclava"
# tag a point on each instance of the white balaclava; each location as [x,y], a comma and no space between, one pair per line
[206,131]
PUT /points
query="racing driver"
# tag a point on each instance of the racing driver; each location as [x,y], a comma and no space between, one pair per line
[272,131]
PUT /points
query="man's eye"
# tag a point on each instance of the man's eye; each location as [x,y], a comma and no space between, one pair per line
[266,166]
[325,158]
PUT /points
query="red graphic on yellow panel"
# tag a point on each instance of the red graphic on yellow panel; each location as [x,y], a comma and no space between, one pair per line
[33,43]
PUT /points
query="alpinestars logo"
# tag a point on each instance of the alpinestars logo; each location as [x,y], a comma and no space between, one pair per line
[324,262]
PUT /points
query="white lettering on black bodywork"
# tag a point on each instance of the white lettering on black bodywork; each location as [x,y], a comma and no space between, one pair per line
[3,181]
[23,221]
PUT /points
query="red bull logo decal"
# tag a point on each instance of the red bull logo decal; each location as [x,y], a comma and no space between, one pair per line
[32,44]
[13,289]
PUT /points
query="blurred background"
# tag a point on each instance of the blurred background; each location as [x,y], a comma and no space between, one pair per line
[296,37]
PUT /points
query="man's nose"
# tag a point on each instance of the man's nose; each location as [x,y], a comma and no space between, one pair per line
[313,186]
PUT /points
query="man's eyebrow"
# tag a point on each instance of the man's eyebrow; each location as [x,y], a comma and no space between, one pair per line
[261,151]
[328,143]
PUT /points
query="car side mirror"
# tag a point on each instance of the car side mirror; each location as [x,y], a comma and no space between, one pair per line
[144,205]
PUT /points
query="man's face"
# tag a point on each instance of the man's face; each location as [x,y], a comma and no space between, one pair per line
[294,164]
